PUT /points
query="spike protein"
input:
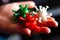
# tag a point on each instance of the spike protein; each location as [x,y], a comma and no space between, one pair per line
[36,23]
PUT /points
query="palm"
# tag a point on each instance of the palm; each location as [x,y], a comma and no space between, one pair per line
[6,17]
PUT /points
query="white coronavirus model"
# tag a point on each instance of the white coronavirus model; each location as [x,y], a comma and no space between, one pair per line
[43,14]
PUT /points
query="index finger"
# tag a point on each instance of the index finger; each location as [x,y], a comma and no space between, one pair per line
[31,4]
[7,9]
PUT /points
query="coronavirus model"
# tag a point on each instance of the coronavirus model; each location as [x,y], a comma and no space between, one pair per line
[34,22]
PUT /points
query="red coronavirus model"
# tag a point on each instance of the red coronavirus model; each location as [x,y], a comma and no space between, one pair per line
[34,22]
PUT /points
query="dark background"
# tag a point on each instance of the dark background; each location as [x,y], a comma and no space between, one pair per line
[54,8]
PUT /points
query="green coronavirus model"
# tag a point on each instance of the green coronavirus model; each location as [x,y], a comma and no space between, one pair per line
[22,11]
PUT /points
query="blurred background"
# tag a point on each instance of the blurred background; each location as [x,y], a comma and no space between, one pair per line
[54,9]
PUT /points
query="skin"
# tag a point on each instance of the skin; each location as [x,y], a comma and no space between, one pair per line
[7,25]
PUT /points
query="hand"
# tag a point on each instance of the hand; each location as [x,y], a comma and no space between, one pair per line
[7,26]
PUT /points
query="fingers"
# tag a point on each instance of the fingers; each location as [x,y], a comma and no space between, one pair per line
[41,30]
[50,22]
[25,31]
[45,30]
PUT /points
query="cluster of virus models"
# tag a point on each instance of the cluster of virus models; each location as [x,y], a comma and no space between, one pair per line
[34,22]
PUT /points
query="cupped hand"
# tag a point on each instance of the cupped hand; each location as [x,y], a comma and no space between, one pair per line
[8,26]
